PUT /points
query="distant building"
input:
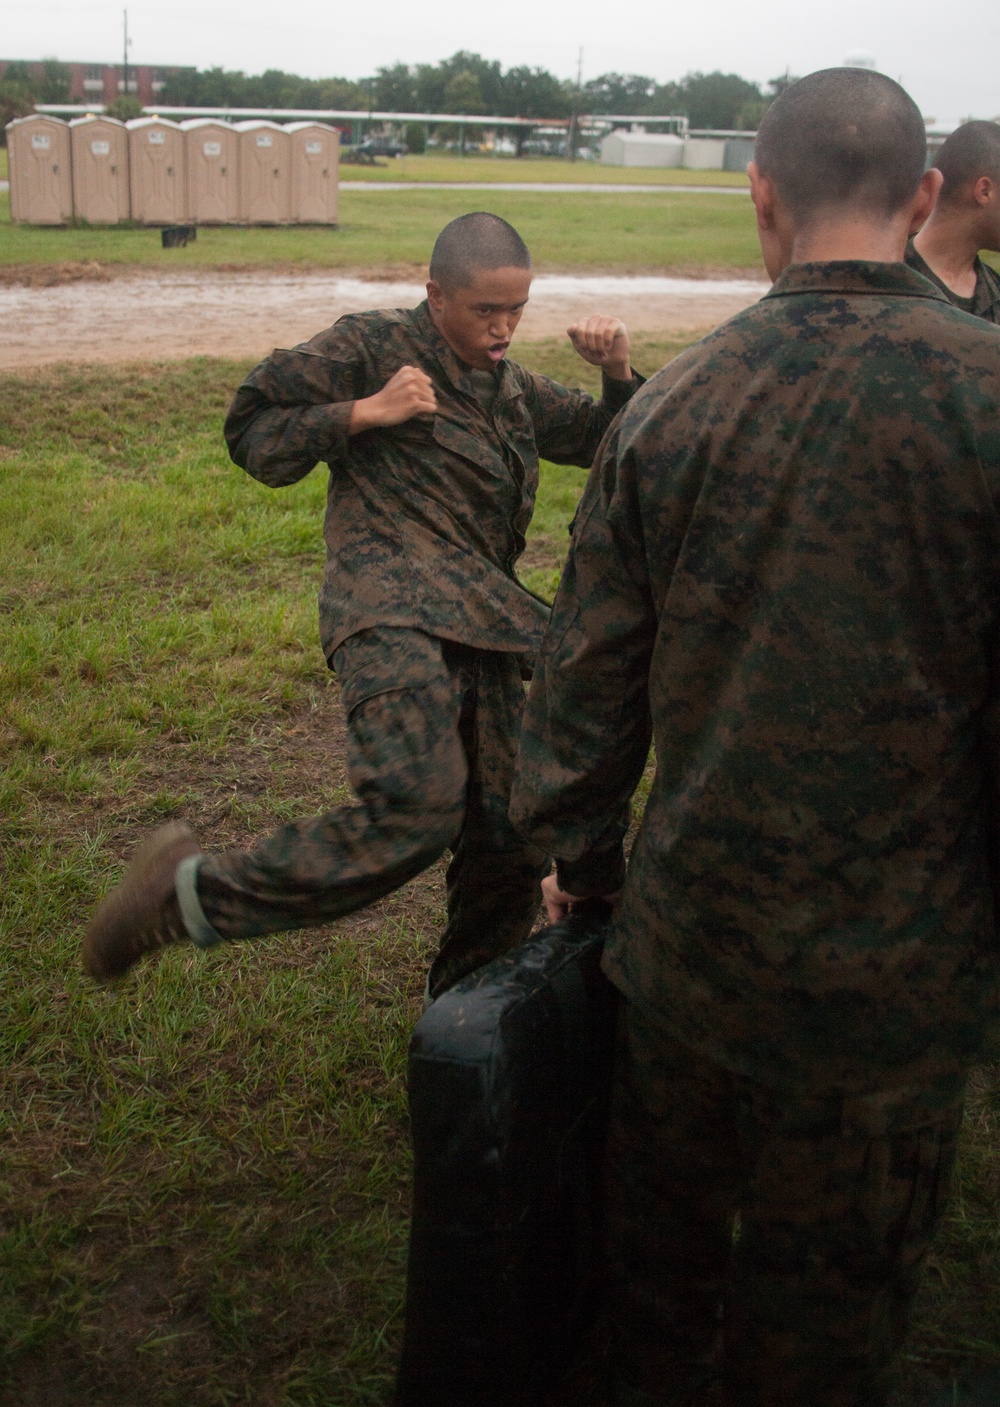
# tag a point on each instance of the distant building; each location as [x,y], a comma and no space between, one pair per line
[101,84]
[620,148]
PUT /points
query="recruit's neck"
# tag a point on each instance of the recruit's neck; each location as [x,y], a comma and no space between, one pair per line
[881,242]
[949,244]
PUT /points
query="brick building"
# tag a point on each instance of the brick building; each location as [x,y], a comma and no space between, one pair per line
[102,83]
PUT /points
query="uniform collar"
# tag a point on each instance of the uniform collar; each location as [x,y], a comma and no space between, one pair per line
[454,369]
[854,276]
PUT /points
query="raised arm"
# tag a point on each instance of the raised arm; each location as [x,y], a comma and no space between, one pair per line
[292,411]
[569,425]
[302,406]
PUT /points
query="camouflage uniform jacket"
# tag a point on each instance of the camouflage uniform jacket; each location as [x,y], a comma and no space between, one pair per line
[984,303]
[425,520]
[786,569]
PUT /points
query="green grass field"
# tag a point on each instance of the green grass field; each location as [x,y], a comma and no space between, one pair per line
[434,167]
[485,168]
[630,232]
[203,1175]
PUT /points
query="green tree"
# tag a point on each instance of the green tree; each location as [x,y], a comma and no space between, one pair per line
[54,82]
[18,95]
[124,107]
[396,88]
[429,84]
[621,93]
[487,73]
[463,94]
[706,99]
[415,137]
[749,115]
[16,100]
[534,92]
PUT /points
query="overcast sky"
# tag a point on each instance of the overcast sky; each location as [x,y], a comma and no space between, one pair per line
[946,55]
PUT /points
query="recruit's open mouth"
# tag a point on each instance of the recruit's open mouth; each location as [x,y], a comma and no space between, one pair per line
[498,351]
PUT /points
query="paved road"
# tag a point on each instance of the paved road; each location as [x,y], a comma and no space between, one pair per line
[544,187]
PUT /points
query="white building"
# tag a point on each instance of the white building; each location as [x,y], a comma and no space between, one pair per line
[620,148]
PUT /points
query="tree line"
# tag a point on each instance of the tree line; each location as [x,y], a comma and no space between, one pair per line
[464,83]
[468,83]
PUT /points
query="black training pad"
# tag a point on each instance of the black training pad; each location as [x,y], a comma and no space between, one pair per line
[508,1084]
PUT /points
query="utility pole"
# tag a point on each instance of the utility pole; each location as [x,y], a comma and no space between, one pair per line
[125,57]
[574,114]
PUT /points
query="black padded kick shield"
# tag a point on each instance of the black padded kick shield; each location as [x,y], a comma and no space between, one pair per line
[509,1074]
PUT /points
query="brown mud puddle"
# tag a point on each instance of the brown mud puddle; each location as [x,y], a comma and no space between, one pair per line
[90,312]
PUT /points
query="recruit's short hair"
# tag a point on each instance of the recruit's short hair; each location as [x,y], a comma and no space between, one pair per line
[972,150]
[473,243]
[843,137]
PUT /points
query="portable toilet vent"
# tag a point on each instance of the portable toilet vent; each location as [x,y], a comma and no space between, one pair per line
[41,184]
[99,147]
[315,172]
[157,171]
[265,173]
[212,158]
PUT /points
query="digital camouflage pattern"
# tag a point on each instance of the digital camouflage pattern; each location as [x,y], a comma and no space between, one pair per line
[424,621]
[838,1199]
[432,737]
[984,303]
[786,570]
[425,520]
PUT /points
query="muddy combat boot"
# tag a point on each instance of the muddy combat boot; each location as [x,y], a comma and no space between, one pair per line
[142,914]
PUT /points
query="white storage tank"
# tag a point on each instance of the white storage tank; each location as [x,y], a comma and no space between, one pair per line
[265,173]
[99,147]
[157,171]
[41,183]
[315,159]
[641,149]
[211,154]
[704,153]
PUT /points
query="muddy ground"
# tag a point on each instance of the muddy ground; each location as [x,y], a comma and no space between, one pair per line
[95,313]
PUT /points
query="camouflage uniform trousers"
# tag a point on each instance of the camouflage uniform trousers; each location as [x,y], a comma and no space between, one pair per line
[801,1300]
[432,741]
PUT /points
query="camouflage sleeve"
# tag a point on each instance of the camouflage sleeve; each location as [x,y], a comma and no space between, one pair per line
[293,409]
[587,730]
[569,425]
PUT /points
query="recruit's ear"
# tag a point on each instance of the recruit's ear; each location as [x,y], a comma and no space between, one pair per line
[762,194]
[435,294]
[985,190]
[774,238]
[925,198]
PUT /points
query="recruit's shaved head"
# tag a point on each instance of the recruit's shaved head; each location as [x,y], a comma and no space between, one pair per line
[844,138]
[472,243]
[972,150]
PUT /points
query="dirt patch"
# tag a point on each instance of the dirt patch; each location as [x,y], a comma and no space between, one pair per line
[52,275]
[105,316]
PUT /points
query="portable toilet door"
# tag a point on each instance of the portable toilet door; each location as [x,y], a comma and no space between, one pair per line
[265,173]
[212,158]
[315,172]
[99,146]
[157,171]
[41,185]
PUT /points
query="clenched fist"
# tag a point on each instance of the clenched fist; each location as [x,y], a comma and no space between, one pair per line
[410,392]
[603,342]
